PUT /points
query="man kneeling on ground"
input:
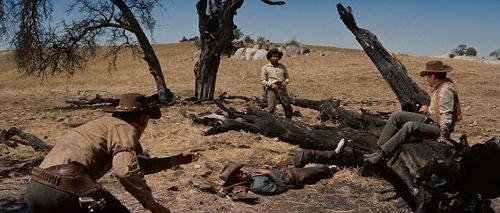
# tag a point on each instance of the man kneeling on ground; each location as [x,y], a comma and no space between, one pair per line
[66,179]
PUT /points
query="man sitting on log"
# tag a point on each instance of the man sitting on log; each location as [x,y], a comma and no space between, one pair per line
[272,180]
[436,121]
[274,78]
[66,179]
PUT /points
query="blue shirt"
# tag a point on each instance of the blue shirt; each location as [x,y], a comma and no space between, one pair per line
[267,185]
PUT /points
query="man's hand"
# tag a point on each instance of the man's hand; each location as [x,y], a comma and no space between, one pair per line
[444,134]
[284,83]
[264,171]
[274,86]
[189,156]
[424,109]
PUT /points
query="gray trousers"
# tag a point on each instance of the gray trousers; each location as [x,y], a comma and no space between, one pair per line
[403,127]
[42,198]
[279,95]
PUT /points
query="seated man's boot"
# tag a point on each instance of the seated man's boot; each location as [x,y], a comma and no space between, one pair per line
[375,158]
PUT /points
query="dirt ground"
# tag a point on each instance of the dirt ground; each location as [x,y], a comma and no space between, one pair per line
[39,108]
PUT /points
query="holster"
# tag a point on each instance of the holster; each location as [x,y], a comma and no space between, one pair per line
[72,178]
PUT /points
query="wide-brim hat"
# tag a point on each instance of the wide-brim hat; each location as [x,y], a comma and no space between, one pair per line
[272,51]
[134,102]
[435,67]
[227,174]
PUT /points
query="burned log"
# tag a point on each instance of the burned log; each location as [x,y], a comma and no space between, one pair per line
[7,137]
[306,136]
[97,100]
[331,109]
[394,72]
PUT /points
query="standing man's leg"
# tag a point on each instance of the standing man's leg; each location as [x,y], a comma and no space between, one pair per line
[396,122]
[286,102]
[271,101]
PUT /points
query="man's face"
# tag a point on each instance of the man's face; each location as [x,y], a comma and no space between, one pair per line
[241,176]
[275,57]
[431,80]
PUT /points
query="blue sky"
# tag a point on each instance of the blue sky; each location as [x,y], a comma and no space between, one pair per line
[423,27]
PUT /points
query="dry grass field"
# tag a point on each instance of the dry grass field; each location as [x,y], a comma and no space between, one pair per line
[40,108]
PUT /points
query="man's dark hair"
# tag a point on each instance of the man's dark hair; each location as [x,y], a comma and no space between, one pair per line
[129,117]
[440,75]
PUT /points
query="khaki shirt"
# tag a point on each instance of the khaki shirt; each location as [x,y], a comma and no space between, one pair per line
[271,74]
[443,102]
[101,145]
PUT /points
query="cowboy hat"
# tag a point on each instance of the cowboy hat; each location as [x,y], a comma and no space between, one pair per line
[133,102]
[229,171]
[274,50]
[435,67]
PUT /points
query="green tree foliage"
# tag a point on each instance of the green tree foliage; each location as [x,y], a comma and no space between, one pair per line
[293,42]
[462,49]
[495,54]
[248,40]
[237,33]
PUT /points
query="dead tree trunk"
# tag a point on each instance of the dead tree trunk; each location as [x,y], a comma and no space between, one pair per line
[216,31]
[304,135]
[394,72]
[165,95]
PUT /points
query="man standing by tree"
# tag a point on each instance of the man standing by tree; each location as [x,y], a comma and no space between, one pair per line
[274,78]
[436,121]
[66,179]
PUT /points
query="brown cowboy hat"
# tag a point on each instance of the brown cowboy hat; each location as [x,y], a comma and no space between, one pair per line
[273,50]
[435,67]
[229,171]
[133,102]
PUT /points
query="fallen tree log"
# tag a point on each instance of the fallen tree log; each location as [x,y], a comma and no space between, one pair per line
[306,136]
[7,137]
[330,109]
[394,72]
[97,100]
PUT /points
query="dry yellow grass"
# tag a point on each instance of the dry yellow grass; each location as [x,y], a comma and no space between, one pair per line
[327,72]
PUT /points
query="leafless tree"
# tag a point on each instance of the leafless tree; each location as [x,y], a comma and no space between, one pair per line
[216,31]
[43,48]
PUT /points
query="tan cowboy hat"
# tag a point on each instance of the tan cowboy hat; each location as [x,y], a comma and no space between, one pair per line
[133,102]
[273,50]
[229,171]
[435,67]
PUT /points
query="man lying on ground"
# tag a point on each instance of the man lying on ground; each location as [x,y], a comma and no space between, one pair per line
[272,180]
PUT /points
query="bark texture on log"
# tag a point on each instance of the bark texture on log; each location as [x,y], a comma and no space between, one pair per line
[306,136]
[97,100]
[6,137]
[216,33]
[394,72]
[331,109]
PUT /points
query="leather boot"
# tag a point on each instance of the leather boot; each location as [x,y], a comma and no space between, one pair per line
[375,158]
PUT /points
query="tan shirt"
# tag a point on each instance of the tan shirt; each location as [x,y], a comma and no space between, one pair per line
[443,102]
[101,145]
[271,74]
